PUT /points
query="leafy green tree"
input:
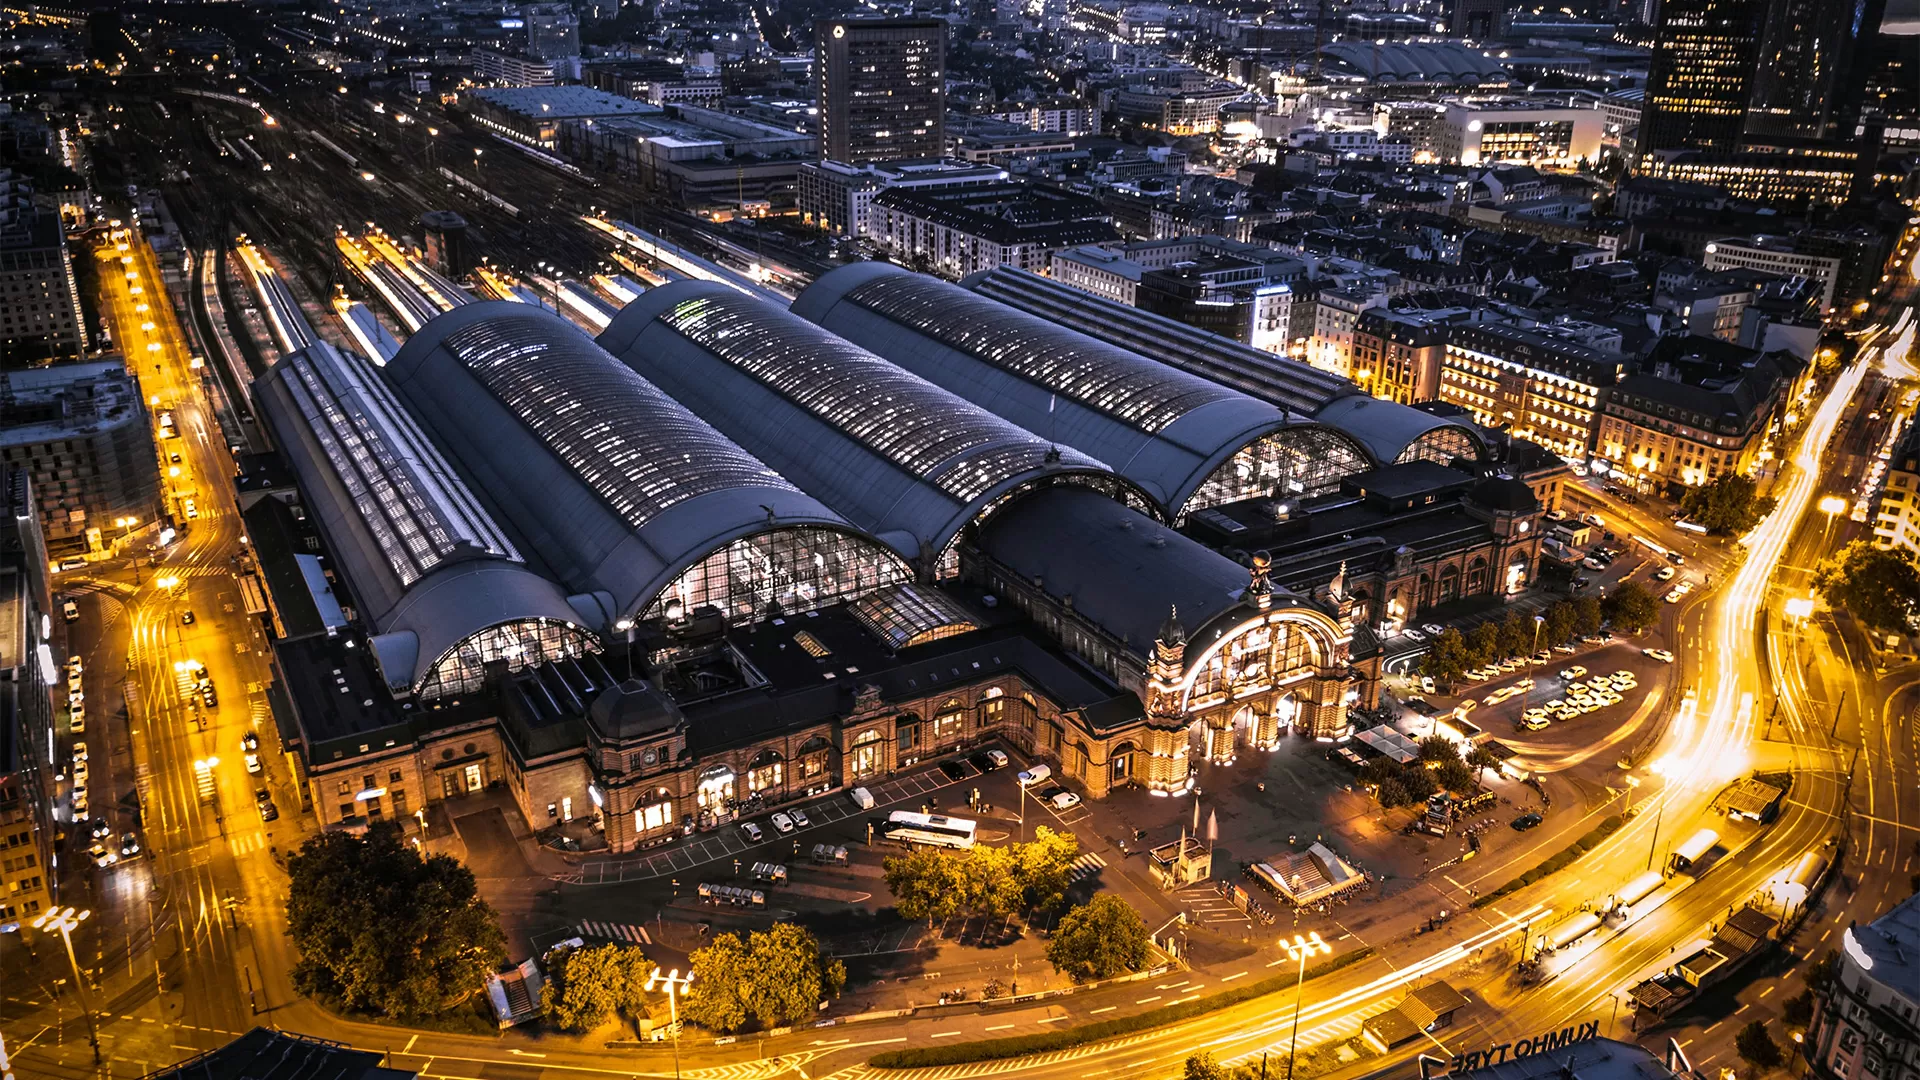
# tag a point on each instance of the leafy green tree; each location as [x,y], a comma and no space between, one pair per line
[1757,1047]
[926,884]
[1517,633]
[587,987]
[1797,1011]
[1561,623]
[1822,972]
[1045,866]
[1631,607]
[1098,940]
[1448,659]
[991,881]
[1587,615]
[716,999]
[384,930]
[1878,586]
[1455,776]
[773,977]
[1727,505]
[1438,748]
[1202,1066]
[1482,759]
[1483,643]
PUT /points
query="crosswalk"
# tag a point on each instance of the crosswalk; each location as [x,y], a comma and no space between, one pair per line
[1085,866]
[631,933]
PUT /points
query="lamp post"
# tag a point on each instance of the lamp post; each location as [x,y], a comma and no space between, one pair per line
[1298,950]
[1527,694]
[64,920]
[674,985]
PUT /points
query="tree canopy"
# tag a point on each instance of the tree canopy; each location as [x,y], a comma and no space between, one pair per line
[1099,939]
[1727,505]
[1632,607]
[1878,586]
[1756,1046]
[384,930]
[772,977]
[587,987]
[989,881]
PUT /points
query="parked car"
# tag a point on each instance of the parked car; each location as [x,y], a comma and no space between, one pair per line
[1034,775]
[102,855]
[186,617]
[98,828]
[264,800]
[71,610]
[1060,798]
[782,822]
[253,763]
[1413,635]
[989,760]
[800,819]
[862,798]
[1526,821]
[1433,629]
[250,741]
[751,832]
[79,751]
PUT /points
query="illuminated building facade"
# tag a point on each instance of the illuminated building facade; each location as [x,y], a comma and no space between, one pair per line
[1541,388]
[881,88]
[1705,409]
[1866,1020]
[1700,79]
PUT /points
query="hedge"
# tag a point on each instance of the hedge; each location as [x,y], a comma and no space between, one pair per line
[1019,1045]
[1557,863]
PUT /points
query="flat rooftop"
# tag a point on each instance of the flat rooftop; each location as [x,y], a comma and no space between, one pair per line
[562,102]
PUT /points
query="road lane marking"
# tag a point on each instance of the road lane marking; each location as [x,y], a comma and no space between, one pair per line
[1184,1000]
[407,1049]
[1109,1008]
[1052,1019]
[944,1034]
[1233,976]
[1768,990]
[999,1027]
[1144,1000]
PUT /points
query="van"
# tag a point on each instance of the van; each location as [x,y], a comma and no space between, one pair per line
[71,610]
[862,798]
[1034,775]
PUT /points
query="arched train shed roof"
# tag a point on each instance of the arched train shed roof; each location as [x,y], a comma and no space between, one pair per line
[1164,429]
[617,487]
[906,460]
[428,566]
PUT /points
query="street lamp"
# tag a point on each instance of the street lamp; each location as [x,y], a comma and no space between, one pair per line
[1298,950]
[64,920]
[674,985]
[1830,505]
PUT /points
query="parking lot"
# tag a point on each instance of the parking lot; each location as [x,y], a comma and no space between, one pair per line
[728,843]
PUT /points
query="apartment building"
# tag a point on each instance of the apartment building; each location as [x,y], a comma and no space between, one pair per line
[1531,383]
[1701,408]
[39,303]
[1866,1022]
[26,708]
[1896,519]
[1779,255]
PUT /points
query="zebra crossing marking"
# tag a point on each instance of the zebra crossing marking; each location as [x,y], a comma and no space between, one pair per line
[1085,866]
[630,933]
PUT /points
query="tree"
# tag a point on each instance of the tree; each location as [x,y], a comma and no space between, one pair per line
[1516,634]
[1202,1066]
[773,977]
[1878,586]
[1587,616]
[1483,644]
[1797,1011]
[1482,759]
[926,885]
[587,987]
[1098,940]
[384,930]
[1561,624]
[1757,1047]
[1438,748]
[1631,607]
[1448,659]
[1046,867]
[1727,505]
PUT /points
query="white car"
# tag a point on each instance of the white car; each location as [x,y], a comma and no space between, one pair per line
[800,819]
[103,856]
[1476,675]
[1034,775]
[1572,673]
[997,757]
[1593,520]
[1064,800]
[1661,655]
[1531,722]
[1433,629]
[751,832]
[1665,573]
[782,822]
[1413,635]
[193,512]
[253,762]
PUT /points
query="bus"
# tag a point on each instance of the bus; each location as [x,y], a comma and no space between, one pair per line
[927,830]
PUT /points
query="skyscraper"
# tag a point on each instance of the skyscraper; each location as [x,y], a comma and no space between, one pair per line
[553,31]
[1700,81]
[1810,69]
[881,88]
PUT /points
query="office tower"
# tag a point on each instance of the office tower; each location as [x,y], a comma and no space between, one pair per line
[1476,19]
[553,31]
[1700,80]
[39,306]
[1810,70]
[880,84]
